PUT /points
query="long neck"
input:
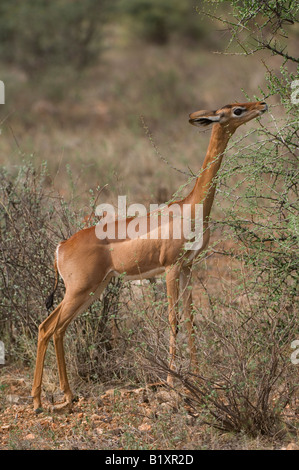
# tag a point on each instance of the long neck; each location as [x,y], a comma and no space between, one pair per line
[205,186]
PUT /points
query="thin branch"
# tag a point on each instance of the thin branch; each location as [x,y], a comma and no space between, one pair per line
[279,52]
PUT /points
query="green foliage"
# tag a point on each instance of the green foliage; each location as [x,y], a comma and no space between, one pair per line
[268,170]
[38,33]
[248,378]
[246,327]
[158,20]
[256,25]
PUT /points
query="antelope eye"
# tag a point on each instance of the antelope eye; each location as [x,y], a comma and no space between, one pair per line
[238,111]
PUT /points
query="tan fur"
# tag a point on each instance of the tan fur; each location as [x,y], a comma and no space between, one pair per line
[87,264]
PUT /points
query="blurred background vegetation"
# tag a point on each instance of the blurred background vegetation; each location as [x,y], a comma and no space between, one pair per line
[79,75]
[83,81]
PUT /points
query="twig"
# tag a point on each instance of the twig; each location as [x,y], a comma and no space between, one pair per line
[150,137]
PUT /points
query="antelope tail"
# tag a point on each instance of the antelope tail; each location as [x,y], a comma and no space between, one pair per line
[50,298]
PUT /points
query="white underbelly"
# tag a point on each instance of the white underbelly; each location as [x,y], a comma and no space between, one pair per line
[144,275]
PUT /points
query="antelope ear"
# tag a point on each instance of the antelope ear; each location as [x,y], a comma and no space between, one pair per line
[203,118]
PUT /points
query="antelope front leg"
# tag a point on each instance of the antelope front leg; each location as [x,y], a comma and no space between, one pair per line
[172,283]
[186,292]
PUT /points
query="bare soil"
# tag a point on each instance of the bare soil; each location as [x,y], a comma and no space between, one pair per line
[120,418]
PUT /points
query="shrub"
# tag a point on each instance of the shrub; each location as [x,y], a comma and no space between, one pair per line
[37,33]
[157,21]
[248,318]
[33,220]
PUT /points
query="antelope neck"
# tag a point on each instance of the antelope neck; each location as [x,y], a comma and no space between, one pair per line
[204,189]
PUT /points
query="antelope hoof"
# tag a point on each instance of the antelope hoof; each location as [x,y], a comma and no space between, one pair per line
[66,405]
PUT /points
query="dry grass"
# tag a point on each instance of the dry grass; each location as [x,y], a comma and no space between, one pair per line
[94,125]
[89,131]
[118,418]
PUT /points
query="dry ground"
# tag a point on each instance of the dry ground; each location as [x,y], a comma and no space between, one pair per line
[92,128]
[119,418]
